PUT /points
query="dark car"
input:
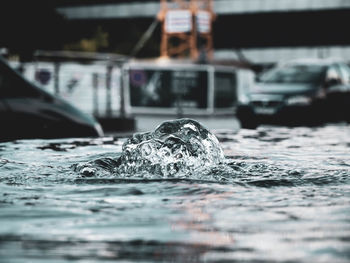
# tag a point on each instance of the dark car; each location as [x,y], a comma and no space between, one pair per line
[26,111]
[296,91]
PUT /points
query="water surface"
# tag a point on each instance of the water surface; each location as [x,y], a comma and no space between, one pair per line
[283,195]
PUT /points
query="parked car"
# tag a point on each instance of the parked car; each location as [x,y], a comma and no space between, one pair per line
[312,89]
[26,111]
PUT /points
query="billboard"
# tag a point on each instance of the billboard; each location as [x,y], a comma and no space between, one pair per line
[203,22]
[178,21]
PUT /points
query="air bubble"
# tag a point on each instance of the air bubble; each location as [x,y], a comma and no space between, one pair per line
[176,147]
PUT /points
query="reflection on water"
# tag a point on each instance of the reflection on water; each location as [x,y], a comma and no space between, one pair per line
[282,195]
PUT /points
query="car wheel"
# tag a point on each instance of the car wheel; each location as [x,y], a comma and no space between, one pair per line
[247,118]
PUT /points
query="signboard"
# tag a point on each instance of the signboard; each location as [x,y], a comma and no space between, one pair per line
[178,21]
[165,88]
[203,22]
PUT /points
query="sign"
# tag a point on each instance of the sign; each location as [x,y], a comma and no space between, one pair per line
[178,21]
[203,22]
[138,77]
[43,76]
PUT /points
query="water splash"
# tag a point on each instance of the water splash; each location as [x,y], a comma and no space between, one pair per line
[174,149]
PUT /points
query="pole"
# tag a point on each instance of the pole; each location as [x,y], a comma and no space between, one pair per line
[56,77]
[95,93]
[122,87]
[145,37]
[108,91]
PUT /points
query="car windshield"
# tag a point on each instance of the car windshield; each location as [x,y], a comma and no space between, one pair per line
[294,74]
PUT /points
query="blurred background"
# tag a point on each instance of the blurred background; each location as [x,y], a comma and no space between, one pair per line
[265,31]
[94,53]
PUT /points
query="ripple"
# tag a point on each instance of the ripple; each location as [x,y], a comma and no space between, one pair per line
[279,195]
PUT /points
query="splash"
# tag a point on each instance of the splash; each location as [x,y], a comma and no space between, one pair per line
[174,149]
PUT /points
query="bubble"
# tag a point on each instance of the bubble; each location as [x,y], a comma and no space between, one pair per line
[146,149]
[173,149]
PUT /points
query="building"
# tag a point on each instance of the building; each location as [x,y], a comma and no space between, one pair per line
[260,31]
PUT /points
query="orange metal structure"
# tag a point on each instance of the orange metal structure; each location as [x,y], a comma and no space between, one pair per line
[192,42]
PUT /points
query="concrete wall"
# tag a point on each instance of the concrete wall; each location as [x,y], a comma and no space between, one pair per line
[221,7]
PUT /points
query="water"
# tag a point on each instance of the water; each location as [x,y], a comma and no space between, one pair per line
[281,195]
[176,149]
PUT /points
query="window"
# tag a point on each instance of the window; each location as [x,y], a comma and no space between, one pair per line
[168,88]
[225,90]
[333,72]
[294,74]
[344,71]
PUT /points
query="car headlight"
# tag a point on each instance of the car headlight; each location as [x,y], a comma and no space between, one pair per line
[298,100]
[243,99]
